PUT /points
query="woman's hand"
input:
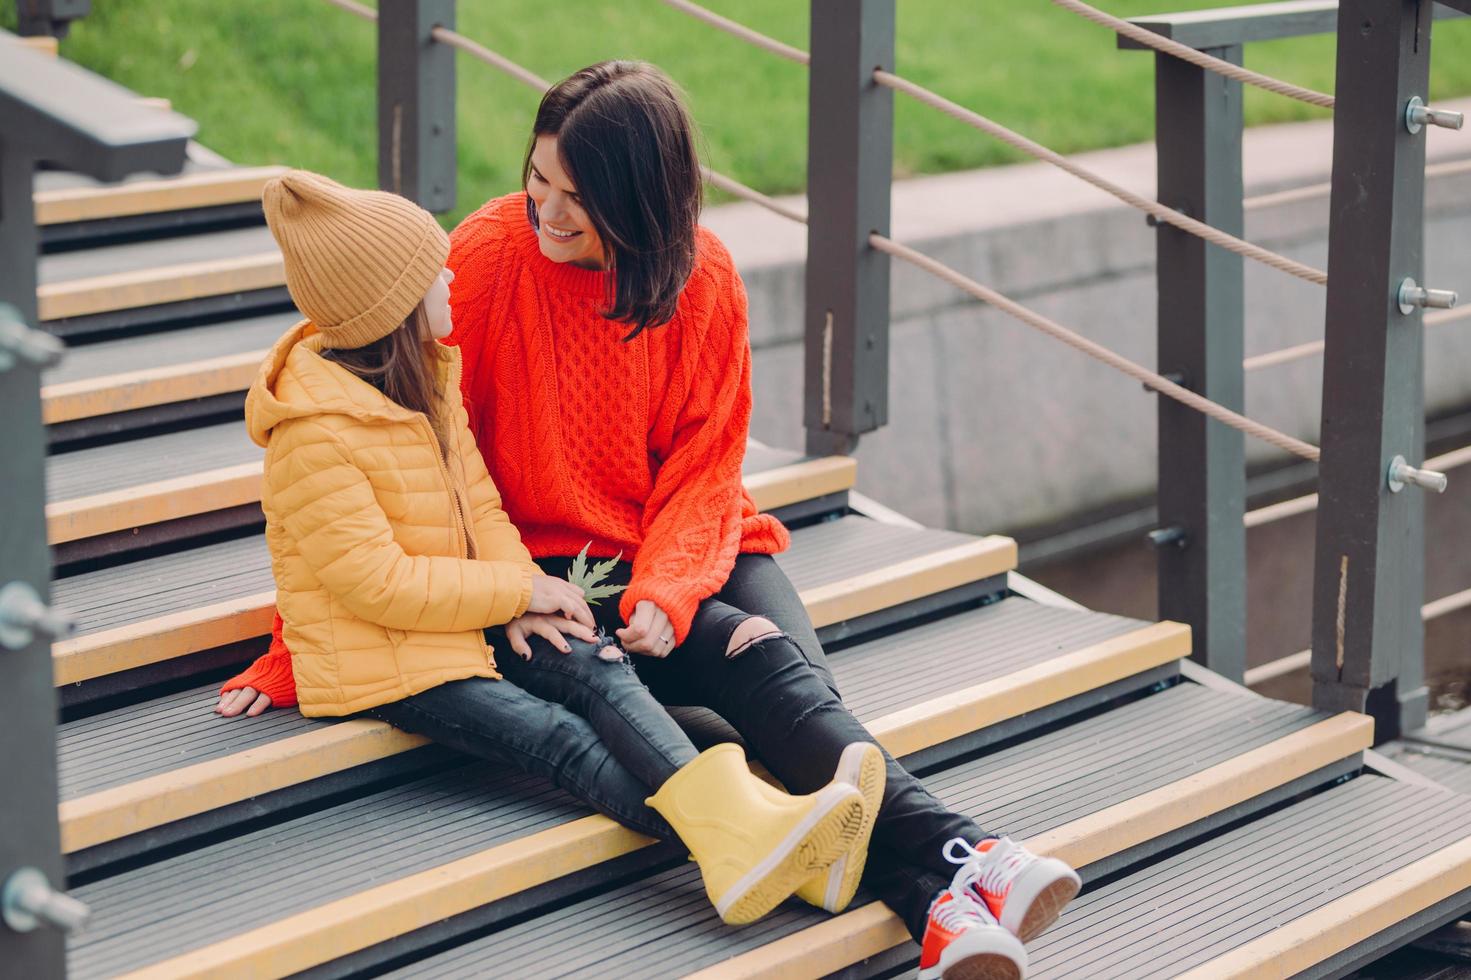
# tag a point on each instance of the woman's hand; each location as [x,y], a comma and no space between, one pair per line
[555,595]
[234,702]
[555,629]
[648,631]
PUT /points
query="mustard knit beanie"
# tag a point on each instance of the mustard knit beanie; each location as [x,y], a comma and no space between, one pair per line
[357,262]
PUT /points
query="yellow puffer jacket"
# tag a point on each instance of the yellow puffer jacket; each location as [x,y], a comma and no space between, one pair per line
[370,535]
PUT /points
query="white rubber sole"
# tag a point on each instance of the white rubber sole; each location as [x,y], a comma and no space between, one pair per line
[860,765]
[1037,898]
[980,954]
[819,838]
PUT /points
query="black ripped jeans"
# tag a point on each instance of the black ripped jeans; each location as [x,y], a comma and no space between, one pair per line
[781,697]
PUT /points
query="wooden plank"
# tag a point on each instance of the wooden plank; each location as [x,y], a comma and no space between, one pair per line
[806,480]
[42,45]
[975,707]
[174,635]
[123,810]
[358,921]
[1354,918]
[163,638]
[71,400]
[149,287]
[912,579]
[152,503]
[232,486]
[202,189]
[873,929]
[156,800]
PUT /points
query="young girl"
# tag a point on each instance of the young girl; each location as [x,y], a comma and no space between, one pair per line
[392,554]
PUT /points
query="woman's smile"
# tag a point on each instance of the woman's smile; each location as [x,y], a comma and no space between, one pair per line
[565,232]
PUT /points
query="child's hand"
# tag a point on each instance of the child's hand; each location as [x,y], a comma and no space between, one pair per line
[234,702]
[555,595]
[555,629]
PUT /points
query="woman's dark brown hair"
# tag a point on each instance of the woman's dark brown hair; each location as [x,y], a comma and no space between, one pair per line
[401,365]
[627,142]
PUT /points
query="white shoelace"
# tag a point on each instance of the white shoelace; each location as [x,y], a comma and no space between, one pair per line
[964,909]
[991,870]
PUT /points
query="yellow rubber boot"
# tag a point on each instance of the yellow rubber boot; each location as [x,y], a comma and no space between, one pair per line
[754,844]
[861,765]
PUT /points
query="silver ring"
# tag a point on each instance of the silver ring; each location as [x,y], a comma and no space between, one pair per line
[668,638]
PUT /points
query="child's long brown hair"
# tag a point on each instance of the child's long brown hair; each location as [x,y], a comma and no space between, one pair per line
[401,365]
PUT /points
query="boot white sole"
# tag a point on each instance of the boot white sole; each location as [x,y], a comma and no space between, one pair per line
[823,835]
[860,765]
[990,954]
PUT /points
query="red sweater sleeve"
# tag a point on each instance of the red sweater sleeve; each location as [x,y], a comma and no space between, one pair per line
[692,522]
[271,673]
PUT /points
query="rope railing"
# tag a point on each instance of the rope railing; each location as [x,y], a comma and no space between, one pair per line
[1198,58]
[1036,150]
[1159,211]
[1296,353]
[778,48]
[1095,350]
[1307,503]
[1293,195]
[475,49]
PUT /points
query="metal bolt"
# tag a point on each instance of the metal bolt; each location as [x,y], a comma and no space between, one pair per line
[1411,295]
[1402,473]
[1418,115]
[23,614]
[28,901]
[20,342]
[1165,537]
[1175,377]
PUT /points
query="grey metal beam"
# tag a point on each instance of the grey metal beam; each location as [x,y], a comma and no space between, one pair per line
[850,161]
[32,836]
[416,103]
[1368,585]
[1256,22]
[1202,463]
[53,110]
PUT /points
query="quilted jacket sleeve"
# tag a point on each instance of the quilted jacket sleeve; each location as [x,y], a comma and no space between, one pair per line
[326,504]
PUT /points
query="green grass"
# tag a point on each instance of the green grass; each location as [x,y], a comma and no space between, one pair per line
[292,81]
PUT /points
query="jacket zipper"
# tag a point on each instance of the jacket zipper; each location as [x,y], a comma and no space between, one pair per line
[460,525]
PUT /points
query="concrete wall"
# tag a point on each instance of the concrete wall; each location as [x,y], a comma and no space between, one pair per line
[994,427]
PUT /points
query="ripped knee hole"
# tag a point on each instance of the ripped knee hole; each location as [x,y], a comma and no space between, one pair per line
[749,633]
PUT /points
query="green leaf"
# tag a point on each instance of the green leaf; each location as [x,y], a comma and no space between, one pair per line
[588,579]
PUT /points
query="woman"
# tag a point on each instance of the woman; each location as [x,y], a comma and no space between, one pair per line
[392,554]
[604,336]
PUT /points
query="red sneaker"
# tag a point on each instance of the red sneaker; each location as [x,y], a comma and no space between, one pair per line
[1025,893]
[963,941]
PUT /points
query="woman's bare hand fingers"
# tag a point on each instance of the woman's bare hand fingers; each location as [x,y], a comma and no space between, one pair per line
[262,703]
[546,627]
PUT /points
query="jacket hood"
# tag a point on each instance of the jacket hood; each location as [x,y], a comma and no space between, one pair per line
[295,381]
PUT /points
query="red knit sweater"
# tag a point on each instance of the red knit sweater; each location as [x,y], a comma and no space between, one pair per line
[635,447]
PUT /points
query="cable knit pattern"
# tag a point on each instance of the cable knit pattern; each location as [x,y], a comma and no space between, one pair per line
[271,674]
[635,447]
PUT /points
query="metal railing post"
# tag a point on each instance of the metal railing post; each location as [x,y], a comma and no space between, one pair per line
[1368,640]
[416,102]
[850,162]
[31,843]
[19,239]
[1202,463]
[48,17]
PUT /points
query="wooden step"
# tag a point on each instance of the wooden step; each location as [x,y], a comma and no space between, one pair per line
[321,909]
[151,370]
[1019,657]
[130,485]
[159,609]
[1293,892]
[123,285]
[84,200]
